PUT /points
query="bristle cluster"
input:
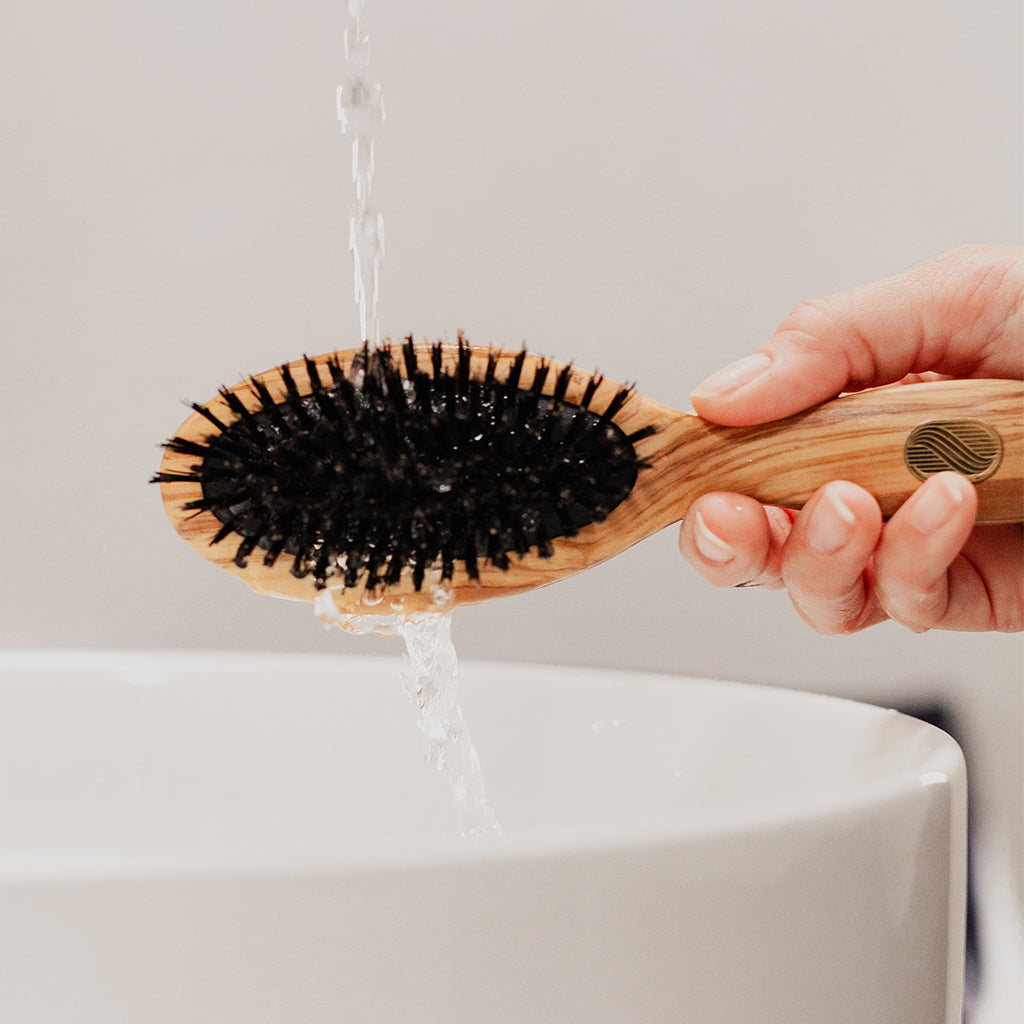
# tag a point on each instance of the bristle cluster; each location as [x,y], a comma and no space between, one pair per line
[398,467]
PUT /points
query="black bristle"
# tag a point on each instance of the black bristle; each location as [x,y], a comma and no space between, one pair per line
[469,546]
[173,478]
[449,387]
[539,378]
[294,402]
[406,461]
[338,375]
[562,384]
[447,562]
[316,385]
[588,395]
[203,411]
[543,542]
[244,550]
[465,359]
[185,447]
[277,545]
[514,374]
[394,570]
[409,355]
[240,409]
[492,366]
[616,404]
[267,403]
[643,432]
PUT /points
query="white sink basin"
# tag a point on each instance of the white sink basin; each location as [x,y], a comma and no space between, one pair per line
[221,838]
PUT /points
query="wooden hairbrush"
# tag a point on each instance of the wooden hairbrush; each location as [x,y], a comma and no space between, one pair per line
[382,475]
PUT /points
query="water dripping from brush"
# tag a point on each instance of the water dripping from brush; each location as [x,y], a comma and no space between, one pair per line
[430,676]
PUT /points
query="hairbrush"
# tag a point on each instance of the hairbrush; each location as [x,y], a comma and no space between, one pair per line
[385,475]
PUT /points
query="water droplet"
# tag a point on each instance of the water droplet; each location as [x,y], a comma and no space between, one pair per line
[360,107]
[357,46]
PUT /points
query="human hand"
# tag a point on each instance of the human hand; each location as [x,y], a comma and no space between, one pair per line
[929,567]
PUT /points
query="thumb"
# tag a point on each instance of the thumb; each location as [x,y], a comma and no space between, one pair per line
[958,314]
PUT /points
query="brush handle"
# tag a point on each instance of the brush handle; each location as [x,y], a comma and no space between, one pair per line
[887,440]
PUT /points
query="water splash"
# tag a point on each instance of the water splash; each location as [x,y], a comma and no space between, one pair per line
[360,113]
[430,676]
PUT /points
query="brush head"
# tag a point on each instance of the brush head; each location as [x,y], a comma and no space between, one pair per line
[384,474]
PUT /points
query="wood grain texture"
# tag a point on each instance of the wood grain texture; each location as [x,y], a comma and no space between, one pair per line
[857,437]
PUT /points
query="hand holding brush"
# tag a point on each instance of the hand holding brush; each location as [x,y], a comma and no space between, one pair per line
[930,565]
[386,475]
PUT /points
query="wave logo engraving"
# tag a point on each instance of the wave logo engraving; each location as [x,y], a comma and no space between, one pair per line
[969,447]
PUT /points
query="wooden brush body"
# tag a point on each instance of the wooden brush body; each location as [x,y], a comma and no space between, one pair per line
[861,437]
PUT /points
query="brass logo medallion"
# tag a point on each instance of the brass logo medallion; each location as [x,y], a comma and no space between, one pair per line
[969,447]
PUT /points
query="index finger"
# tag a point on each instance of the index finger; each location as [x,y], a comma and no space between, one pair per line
[958,314]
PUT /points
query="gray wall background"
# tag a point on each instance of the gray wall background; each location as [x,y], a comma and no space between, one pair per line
[644,188]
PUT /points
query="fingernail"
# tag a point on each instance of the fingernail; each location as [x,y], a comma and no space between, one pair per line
[936,503]
[831,523]
[733,377]
[710,545]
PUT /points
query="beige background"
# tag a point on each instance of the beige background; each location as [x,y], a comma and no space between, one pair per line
[645,188]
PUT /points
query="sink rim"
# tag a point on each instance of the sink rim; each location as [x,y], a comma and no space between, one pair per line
[944,766]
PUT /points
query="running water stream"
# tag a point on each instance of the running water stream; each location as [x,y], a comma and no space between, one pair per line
[430,676]
[361,112]
[431,669]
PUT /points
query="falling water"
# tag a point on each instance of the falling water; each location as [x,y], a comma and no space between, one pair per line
[431,666]
[431,681]
[430,676]
[360,112]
